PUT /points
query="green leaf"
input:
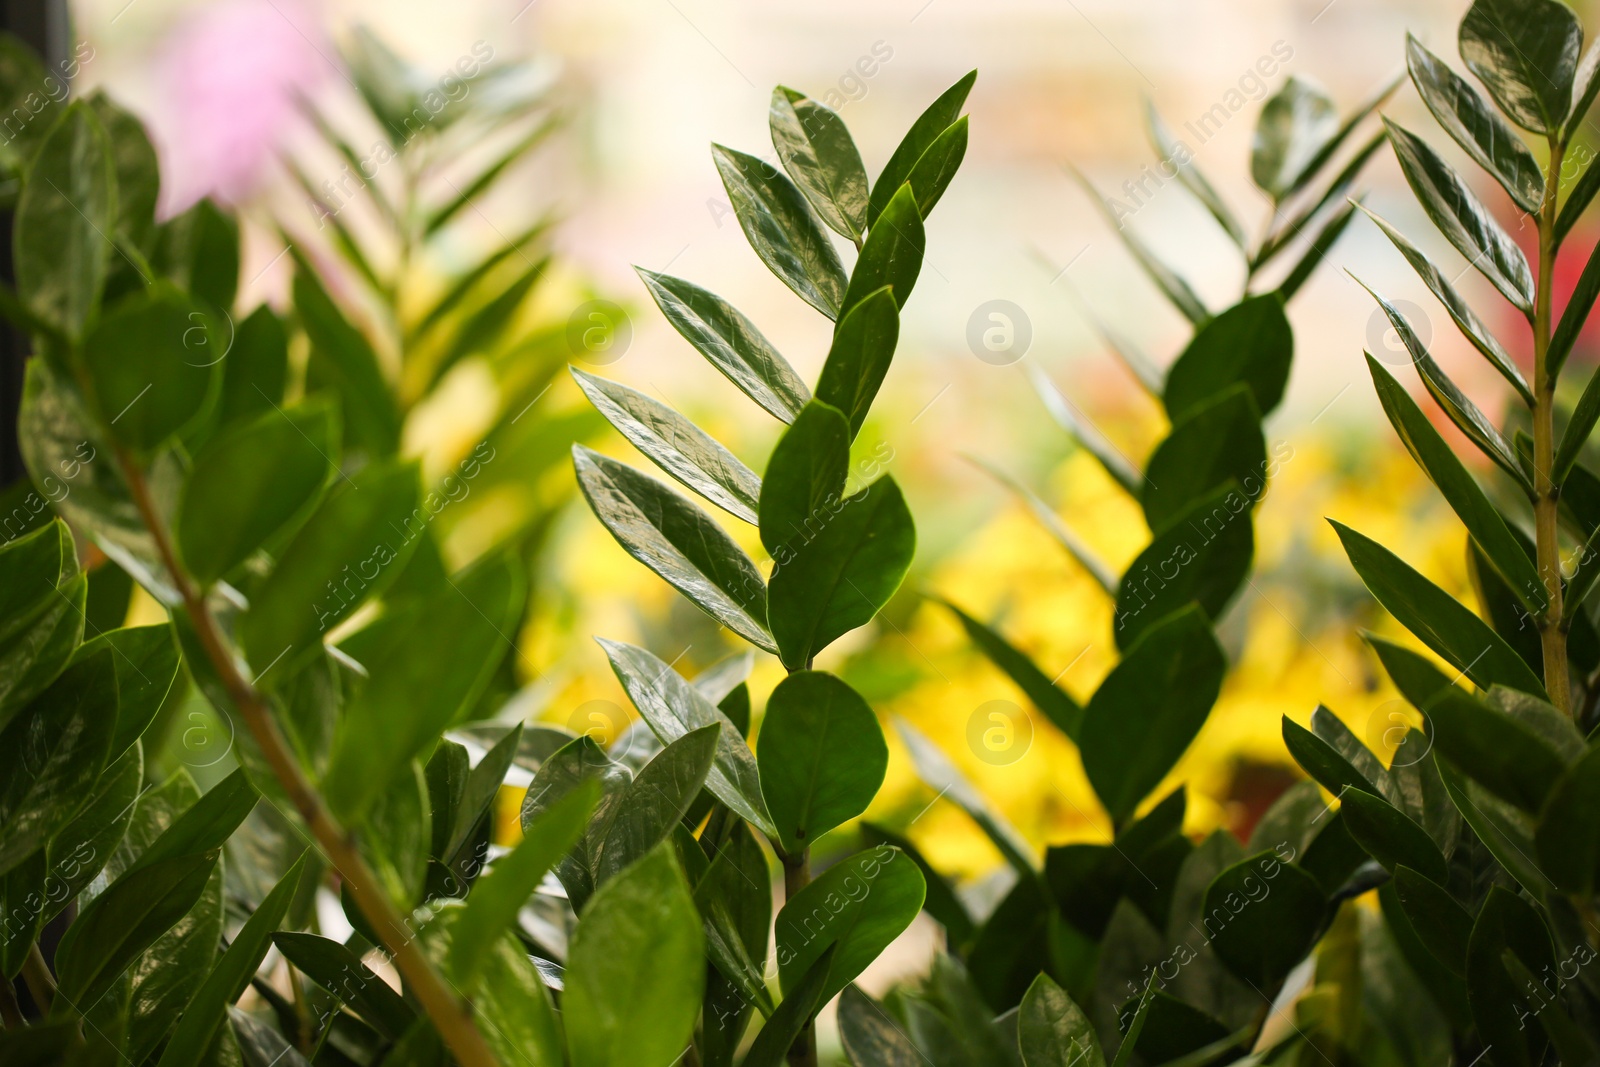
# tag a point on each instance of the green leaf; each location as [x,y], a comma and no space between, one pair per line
[52,752]
[821,755]
[1275,913]
[1476,127]
[839,580]
[735,900]
[488,175]
[1250,342]
[133,159]
[858,359]
[799,1007]
[870,1034]
[804,480]
[1576,202]
[66,210]
[256,368]
[1389,836]
[1055,703]
[1053,1031]
[498,895]
[1506,832]
[819,155]
[1443,624]
[673,707]
[146,660]
[368,523]
[1202,557]
[1294,124]
[1047,518]
[731,343]
[1142,718]
[618,1014]
[479,790]
[678,541]
[519,1023]
[1574,315]
[428,664]
[81,849]
[782,229]
[1442,925]
[22,81]
[1469,419]
[1181,158]
[1506,922]
[1526,53]
[343,360]
[935,169]
[1459,489]
[206,1014]
[1568,835]
[858,906]
[1324,763]
[942,903]
[1584,416]
[1086,434]
[205,825]
[249,483]
[1462,218]
[656,801]
[152,371]
[1460,311]
[199,250]
[1171,284]
[341,972]
[930,125]
[676,445]
[1217,442]
[1316,251]
[943,777]
[892,254]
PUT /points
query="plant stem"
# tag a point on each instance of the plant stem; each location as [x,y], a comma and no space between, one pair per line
[796,876]
[1552,636]
[450,1015]
[41,983]
[10,1010]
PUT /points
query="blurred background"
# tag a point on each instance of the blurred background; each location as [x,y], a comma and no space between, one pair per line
[641,89]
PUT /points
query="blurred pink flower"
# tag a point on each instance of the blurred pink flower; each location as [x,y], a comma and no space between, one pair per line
[230,73]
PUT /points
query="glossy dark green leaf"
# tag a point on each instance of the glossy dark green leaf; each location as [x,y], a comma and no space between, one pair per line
[1574,315]
[1250,342]
[676,445]
[563,771]
[616,1013]
[146,661]
[859,357]
[1171,284]
[1460,311]
[782,229]
[343,360]
[479,789]
[821,755]
[1056,703]
[65,212]
[498,895]
[1456,484]
[1053,1031]
[682,544]
[1462,218]
[205,825]
[805,479]
[1218,442]
[153,371]
[206,1013]
[341,972]
[735,900]
[350,549]
[1475,126]
[1274,913]
[1584,416]
[1436,617]
[52,752]
[731,343]
[870,1034]
[1180,157]
[1389,836]
[433,661]
[933,122]
[794,1014]
[1506,832]
[859,905]
[839,579]
[1526,53]
[1295,123]
[1142,718]
[656,801]
[1322,761]
[819,155]
[1470,419]
[942,903]
[1202,557]
[394,833]
[1441,924]
[1506,922]
[1576,202]
[81,849]
[32,565]
[673,707]
[249,482]
[1568,837]
[891,256]
[937,166]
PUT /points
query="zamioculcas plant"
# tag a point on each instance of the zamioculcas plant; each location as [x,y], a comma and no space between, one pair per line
[839,549]
[1485,824]
[1139,942]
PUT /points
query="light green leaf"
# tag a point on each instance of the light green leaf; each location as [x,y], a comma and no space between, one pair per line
[782,229]
[1171,284]
[343,360]
[946,780]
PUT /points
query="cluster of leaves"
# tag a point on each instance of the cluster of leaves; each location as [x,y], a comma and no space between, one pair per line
[840,550]
[1164,949]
